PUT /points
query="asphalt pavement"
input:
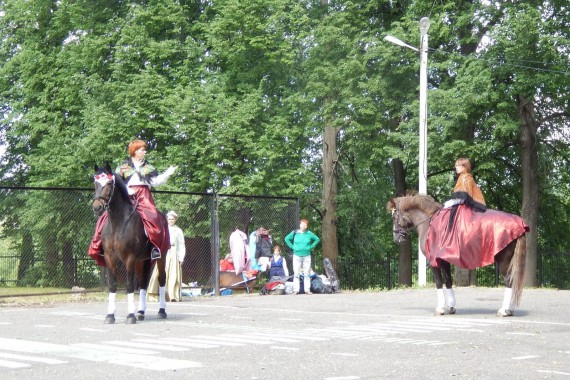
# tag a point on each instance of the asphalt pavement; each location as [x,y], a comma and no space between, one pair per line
[348,335]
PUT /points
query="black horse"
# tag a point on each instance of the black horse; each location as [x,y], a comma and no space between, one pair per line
[124,239]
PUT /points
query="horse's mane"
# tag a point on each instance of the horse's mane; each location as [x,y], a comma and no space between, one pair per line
[423,202]
[121,186]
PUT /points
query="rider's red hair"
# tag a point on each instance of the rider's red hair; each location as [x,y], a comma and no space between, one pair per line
[136,145]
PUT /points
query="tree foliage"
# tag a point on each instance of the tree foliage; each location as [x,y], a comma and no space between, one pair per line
[238,94]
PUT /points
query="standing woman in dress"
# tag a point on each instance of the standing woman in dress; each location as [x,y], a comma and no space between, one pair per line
[174,259]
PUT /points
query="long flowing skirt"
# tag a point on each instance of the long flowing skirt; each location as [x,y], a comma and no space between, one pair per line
[173,279]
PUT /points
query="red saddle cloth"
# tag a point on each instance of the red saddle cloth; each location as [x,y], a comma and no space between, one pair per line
[474,238]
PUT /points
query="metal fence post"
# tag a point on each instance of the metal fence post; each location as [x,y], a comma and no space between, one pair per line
[216,244]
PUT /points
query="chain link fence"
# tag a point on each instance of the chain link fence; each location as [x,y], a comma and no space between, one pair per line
[45,233]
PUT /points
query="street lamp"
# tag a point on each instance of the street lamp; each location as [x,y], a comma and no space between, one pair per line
[422,178]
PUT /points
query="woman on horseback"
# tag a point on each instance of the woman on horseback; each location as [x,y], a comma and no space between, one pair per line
[466,190]
[139,176]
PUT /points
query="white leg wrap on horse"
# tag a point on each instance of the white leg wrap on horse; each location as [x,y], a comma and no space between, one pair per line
[507,299]
[440,299]
[450,298]
[131,302]
[111,304]
[162,297]
[142,299]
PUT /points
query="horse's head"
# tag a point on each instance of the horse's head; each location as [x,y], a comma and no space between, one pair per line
[401,221]
[411,211]
[104,180]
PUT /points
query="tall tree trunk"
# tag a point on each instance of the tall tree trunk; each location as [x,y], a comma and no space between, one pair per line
[529,167]
[465,277]
[329,204]
[52,258]
[69,268]
[405,247]
[26,256]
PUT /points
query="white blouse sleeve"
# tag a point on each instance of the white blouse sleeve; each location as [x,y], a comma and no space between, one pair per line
[182,248]
[162,178]
[180,245]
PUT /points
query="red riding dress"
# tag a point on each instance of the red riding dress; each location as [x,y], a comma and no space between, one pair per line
[139,181]
[465,237]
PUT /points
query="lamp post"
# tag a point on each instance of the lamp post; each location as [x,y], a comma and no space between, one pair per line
[422,178]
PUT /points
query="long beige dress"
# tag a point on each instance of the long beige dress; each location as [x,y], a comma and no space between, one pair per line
[174,258]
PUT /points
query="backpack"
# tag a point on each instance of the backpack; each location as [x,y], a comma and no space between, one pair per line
[317,285]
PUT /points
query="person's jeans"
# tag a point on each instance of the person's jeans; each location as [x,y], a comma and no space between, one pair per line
[302,264]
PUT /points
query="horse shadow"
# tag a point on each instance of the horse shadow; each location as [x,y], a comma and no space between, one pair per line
[471,311]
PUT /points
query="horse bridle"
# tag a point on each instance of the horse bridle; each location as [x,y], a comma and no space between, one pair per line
[104,179]
[401,231]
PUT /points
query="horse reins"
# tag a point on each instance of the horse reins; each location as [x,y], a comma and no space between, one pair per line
[105,201]
[401,231]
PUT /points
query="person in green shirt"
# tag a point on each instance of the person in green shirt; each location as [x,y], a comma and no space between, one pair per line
[302,242]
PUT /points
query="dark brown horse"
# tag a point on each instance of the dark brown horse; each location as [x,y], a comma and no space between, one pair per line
[124,240]
[416,212]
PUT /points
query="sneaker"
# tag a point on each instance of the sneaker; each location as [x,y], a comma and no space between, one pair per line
[155,254]
[309,293]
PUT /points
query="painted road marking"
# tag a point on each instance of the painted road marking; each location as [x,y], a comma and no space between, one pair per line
[153,344]
[6,355]
[99,353]
[144,352]
[526,357]
[555,372]
[186,343]
[13,365]
[284,348]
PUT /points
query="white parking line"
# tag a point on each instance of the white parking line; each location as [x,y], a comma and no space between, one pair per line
[525,357]
[555,372]
[98,353]
[6,355]
[123,350]
[151,345]
[13,365]
[187,343]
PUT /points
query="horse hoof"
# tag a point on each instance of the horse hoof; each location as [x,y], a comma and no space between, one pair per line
[161,314]
[451,310]
[140,315]
[439,312]
[504,313]
[131,319]
[109,319]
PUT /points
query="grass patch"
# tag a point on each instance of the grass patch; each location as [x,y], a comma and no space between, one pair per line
[27,296]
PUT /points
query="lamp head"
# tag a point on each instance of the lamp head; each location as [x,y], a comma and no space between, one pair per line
[424,25]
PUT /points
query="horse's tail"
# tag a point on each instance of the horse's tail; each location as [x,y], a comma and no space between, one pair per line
[517,269]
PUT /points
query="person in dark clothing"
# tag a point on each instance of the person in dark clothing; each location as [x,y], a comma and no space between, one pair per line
[263,245]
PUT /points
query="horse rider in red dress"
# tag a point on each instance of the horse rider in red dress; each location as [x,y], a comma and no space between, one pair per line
[139,176]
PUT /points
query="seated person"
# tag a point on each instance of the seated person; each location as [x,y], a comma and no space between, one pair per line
[278,265]
[227,264]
